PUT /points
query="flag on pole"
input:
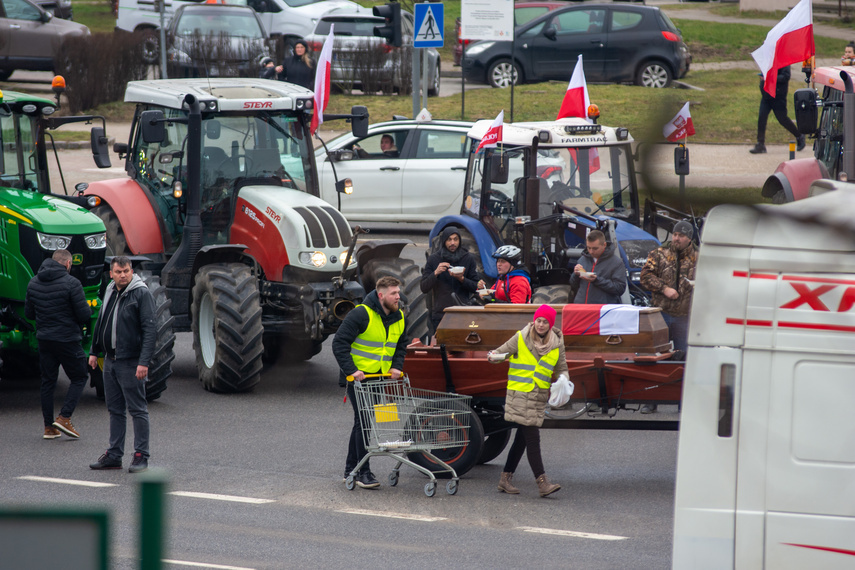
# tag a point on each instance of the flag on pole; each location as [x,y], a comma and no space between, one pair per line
[790,41]
[493,136]
[576,100]
[680,126]
[322,82]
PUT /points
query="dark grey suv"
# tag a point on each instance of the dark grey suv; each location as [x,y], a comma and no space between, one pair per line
[619,44]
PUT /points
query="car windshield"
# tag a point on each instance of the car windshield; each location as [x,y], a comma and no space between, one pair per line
[239,24]
[593,181]
[348,26]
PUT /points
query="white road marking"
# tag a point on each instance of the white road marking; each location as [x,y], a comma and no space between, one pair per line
[66,481]
[571,533]
[391,515]
[216,497]
[204,565]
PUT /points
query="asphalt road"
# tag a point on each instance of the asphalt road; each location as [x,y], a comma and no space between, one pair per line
[269,466]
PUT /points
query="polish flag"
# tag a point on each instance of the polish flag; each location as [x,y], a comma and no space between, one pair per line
[680,126]
[576,100]
[599,319]
[493,136]
[790,41]
[322,83]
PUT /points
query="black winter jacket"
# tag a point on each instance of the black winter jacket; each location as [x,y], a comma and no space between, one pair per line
[354,324]
[444,284]
[134,332]
[296,71]
[55,300]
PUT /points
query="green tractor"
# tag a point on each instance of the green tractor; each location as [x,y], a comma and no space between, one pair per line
[34,222]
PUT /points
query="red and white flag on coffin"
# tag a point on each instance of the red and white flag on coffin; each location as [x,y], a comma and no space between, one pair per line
[789,42]
[493,136]
[599,319]
[322,82]
[680,126]
[576,100]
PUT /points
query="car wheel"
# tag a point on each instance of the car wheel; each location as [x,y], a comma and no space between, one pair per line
[433,90]
[5,74]
[653,74]
[150,46]
[501,72]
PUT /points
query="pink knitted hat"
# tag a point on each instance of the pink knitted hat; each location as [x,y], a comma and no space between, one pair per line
[547,313]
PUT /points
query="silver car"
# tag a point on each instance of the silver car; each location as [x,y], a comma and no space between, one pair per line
[363,61]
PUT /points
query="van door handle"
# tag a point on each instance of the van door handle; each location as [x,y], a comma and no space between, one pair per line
[390,168]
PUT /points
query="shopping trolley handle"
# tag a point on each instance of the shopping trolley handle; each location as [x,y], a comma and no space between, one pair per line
[350,377]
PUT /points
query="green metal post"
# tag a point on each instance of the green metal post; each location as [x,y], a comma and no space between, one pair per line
[152,519]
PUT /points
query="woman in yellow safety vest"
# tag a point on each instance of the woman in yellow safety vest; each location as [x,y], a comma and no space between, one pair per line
[537,356]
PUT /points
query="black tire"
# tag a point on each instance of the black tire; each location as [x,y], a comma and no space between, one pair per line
[500,72]
[116,242]
[551,295]
[494,445]
[160,366]
[19,365]
[5,74]
[433,90]
[654,74]
[461,458]
[414,301]
[227,329]
[150,44]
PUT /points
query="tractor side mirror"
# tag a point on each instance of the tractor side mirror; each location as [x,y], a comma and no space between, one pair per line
[359,121]
[153,127]
[804,101]
[100,151]
[499,168]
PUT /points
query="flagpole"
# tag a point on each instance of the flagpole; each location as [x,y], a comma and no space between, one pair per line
[513,67]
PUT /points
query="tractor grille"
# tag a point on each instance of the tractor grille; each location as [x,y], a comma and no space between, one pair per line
[326,226]
[88,272]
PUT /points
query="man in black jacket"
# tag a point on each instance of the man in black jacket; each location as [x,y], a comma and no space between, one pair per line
[125,333]
[777,105]
[599,278]
[55,300]
[438,278]
[370,340]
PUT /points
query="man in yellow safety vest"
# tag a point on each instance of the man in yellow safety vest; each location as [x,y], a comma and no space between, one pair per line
[370,340]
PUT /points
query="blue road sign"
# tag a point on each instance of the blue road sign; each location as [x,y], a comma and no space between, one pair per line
[430,25]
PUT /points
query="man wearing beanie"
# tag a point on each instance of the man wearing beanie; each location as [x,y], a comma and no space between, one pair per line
[669,274]
[537,358]
[438,278]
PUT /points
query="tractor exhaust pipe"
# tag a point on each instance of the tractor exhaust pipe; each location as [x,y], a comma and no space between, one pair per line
[848,128]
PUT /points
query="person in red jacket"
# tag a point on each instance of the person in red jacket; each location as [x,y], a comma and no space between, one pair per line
[514,284]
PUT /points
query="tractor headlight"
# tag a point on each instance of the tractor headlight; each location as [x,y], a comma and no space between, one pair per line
[352,258]
[96,241]
[52,243]
[316,258]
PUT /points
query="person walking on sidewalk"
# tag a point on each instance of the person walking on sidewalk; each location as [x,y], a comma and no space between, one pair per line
[370,340]
[125,333]
[777,105]
[55,300]
[537,356]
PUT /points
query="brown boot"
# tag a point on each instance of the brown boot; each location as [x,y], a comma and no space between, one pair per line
[544,487]
[505,484]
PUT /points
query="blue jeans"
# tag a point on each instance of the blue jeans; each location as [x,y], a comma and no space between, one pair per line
[678,328]
[123,391]
[69,355]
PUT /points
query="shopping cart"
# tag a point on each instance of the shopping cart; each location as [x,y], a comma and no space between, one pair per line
[398,419]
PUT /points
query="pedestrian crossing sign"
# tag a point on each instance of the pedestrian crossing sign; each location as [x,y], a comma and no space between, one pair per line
[430,25]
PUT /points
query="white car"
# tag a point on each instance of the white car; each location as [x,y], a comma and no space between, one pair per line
[419,180]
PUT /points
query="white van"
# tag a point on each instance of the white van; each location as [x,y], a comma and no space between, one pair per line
[291,19]
[766,461]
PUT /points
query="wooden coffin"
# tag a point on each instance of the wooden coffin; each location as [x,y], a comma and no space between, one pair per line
[487,327]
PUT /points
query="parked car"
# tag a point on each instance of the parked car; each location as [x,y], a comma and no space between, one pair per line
[32,39]
[619,44]
[215,40]
[524,12]
[419,179]
[59,8]
[359,56]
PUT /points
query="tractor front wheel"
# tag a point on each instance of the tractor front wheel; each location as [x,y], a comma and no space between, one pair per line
[160,365]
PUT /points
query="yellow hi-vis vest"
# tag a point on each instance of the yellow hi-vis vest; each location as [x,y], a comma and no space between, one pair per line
[526,370]
[373,350]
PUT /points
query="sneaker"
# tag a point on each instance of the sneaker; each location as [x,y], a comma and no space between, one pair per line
[139,464]
[106,462]
[800,142]
[759,148]
[648,409]
[51,432]
[366,480]
[63,424]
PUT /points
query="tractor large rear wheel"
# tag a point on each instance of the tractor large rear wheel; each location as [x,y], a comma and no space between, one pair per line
[431,428]
[160,365]
[116,242]
[414,301]
[227,329]
[551,295]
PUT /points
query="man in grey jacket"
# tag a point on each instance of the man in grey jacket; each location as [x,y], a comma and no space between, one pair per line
[125,333]
[599,277]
